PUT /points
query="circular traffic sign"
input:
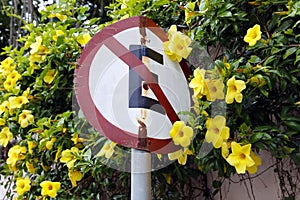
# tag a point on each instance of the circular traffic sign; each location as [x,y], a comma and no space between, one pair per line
[128,88]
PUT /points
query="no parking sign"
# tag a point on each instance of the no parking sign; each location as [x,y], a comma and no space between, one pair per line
[125,81]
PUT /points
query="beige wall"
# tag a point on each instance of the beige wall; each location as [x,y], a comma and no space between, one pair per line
[2,189]
[264,187]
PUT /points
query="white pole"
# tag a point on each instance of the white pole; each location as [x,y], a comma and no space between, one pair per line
[140,175]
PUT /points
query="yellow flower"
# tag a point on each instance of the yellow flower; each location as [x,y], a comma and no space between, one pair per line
[225,149]
[125,16]
[11,80]
[26,93]
[61,17]
[159,156]
[253,35]
[217,131]
[7,62]
[17,102]
[15,154]
[178,45]
[45,167]
[9,84]
[3,107]
[171,55]
[12,168]
[215,89]
[14,75]
[77,139]
[23,185]
[107,150]
[240,157]
[181,134]
[83,39]
[180,155]
[75,176]
[31,145]
[36,45]
[52,15]
[69,156]
[57,34]
[2,122]
[257,80]
[49,144]
[7,66]
[30,167]
[50,188]
[253,169]
[25,118]
[227,65]
[198,83]
[36,58]
[171,31]
[38,53]
[168,178]
[50,75]
[234,89]
[189,12]
[58,154]
[5,136]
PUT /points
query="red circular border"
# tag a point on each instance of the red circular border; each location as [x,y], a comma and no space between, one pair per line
[81,81]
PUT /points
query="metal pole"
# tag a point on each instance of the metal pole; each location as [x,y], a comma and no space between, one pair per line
[140,175]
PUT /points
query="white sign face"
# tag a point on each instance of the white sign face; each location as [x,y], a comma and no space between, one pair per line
[109,87]
[124,94]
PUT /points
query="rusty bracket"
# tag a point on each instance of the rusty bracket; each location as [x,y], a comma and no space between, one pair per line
[143,143]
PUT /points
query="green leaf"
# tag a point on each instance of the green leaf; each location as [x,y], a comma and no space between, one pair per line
[88,155]
[275,50]
[160,3]
[290,118]
[60,40]
[262,128]
[296,158]
[297,56]
[264,92]
[269,60]
[225,14]
[274,71]
[254,59]
[220,64]
[293,125]
[289,52]
[266,136]
[216,184]
[288,150]
[256,137]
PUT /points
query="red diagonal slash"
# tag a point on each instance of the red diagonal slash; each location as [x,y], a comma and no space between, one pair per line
[141,69]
